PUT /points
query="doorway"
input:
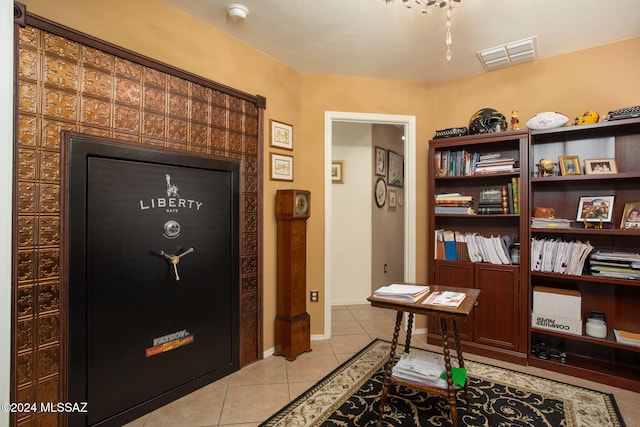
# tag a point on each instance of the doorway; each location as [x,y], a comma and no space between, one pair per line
[409,125]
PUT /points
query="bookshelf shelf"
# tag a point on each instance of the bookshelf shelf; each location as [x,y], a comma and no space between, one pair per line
[604,360]
[609,341]
[496,332]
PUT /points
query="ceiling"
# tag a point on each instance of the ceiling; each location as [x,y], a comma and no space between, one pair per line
[372,38]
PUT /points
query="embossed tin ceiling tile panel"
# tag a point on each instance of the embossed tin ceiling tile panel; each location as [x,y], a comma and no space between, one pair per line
[96,58]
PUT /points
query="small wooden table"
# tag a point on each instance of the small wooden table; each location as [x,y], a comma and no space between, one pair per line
[443,313]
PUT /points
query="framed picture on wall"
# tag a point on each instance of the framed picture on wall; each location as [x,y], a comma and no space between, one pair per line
[281,167]
[337,171]
[396,169]
[380,192]
[380,161]
[393,199]
[281,135]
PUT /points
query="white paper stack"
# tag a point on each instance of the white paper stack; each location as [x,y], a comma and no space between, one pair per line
[421,368]
[401,292]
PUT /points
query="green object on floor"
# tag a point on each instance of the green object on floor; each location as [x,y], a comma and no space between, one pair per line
[458,375]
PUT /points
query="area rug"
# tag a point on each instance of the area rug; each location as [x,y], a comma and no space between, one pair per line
[350,396]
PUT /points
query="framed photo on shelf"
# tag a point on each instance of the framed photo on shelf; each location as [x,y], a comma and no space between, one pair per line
[569,165]
[337,171]
[381,161]
[281,135]
[631,216]
[595,209]
[396,169]
[281,167]
[596,166]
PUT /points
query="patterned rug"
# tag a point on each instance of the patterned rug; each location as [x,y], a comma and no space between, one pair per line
[350,396]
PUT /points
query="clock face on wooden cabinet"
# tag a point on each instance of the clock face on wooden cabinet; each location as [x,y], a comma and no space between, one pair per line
[302,204]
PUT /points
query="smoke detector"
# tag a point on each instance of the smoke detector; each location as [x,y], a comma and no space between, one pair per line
[237,12]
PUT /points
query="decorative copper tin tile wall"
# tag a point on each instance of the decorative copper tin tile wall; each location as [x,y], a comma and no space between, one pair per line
[67,85]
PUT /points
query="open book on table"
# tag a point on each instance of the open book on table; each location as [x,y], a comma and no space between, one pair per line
[401,292]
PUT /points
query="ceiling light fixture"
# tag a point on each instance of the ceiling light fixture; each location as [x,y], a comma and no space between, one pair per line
[425,9]
[511,53]
[237,12]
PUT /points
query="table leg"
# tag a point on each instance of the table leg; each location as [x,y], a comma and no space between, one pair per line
[461,361]
[451,395]
[407,344]
[389,367]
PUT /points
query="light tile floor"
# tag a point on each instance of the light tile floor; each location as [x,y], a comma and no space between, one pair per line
[249,396]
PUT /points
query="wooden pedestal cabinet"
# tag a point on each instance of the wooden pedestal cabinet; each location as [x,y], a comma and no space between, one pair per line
[293,324]
[493,328]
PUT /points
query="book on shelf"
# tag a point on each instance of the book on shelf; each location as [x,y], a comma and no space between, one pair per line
[401,292]
[626,337]
[617,265]
[471,247]
[559,256]
[550,223]
[458,210]
[515,188]
[453,197]
[445,298]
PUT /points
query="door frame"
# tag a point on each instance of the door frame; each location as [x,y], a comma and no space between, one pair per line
[409,124]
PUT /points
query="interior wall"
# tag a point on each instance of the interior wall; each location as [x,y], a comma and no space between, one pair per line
[387,224]
[600,78]
[351,214]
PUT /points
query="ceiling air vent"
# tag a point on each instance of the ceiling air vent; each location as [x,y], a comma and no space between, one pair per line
[508,54]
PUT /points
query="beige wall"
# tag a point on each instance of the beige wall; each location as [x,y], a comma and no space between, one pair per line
[602,79]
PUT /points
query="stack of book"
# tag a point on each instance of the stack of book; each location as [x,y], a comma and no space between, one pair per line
[559,256]
[495,163]
[615,264]
[401,292]
[491,201]
[454,203]
[550,223]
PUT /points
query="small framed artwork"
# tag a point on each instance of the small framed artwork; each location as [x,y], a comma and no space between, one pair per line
[281,167]
[595,209]
[281,135]
[569,165]
[631,216]
[393,199]
[380,192]
[381,161]
[396,169]
[596,166]
[337,171]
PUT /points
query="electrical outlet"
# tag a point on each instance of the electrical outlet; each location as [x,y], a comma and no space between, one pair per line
[313,296]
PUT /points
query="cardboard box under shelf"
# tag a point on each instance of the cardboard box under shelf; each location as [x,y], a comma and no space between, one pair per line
[557,302]
[556,323]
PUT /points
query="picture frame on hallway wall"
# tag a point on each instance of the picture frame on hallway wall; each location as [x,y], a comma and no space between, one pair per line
[281,167]
[281,135]
[381,161]
[337,171]
[396,169]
